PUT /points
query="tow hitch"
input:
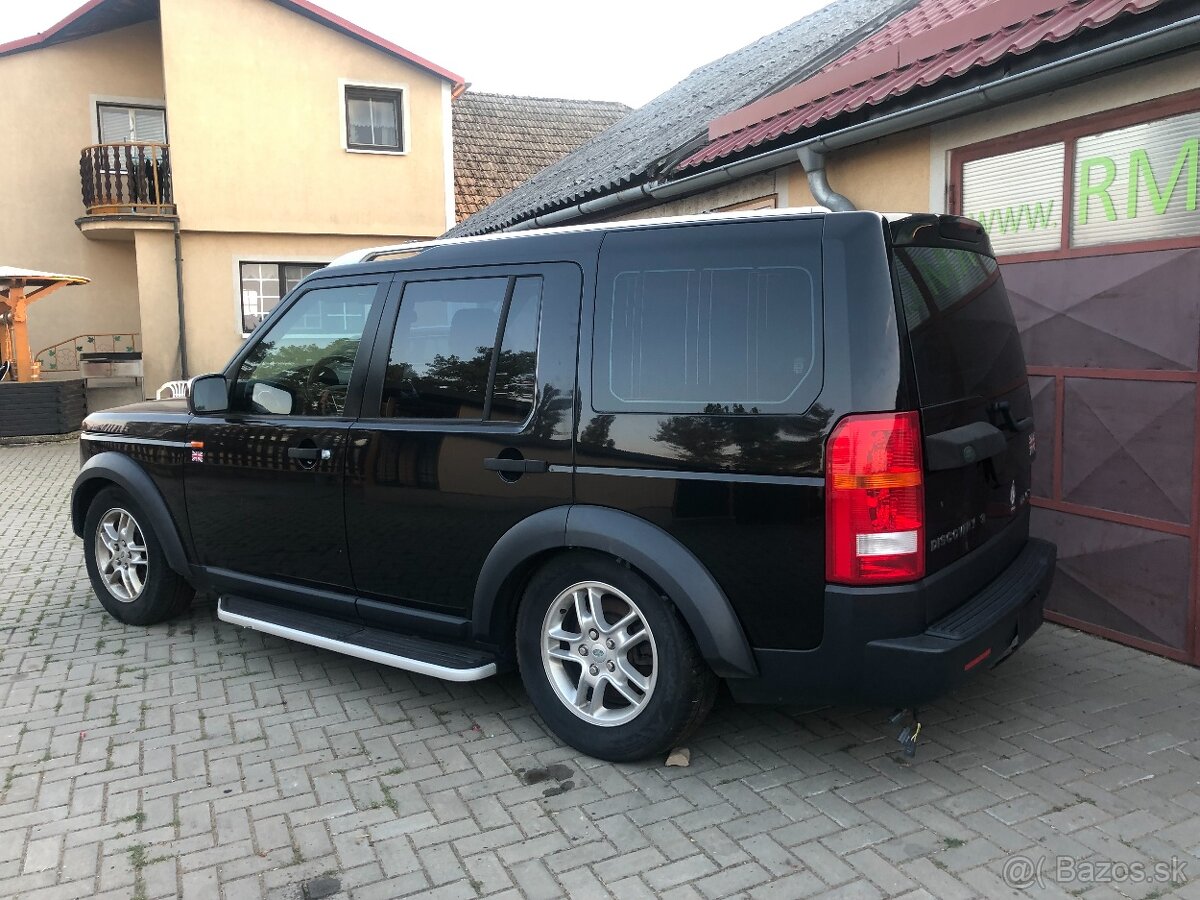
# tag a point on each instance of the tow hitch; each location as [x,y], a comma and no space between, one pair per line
[910,732]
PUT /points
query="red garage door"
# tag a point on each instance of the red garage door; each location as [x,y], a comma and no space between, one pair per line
[1097,227]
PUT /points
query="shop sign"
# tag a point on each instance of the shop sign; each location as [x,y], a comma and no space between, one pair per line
[1018,197]
[1137,183]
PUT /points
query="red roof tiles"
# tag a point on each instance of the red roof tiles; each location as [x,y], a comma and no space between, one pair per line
[936,39]
[501,141]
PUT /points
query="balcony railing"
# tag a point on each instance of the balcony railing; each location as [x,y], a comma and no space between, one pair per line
[64,356]
[127,178]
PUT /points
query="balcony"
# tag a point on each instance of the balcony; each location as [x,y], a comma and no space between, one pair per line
[126,187]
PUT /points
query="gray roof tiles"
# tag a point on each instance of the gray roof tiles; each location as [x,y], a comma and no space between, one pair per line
[623,153]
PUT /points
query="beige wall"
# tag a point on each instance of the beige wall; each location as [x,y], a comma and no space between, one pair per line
[887,175]
[725,195]
[156,291]
[212,290]
[257,127]
[47,104]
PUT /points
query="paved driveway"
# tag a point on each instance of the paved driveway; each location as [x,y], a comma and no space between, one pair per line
[200,760]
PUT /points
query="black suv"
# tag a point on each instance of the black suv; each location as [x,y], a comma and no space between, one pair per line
[786,450]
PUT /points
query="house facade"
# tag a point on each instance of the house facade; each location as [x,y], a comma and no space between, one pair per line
[1069,128]
[194,160]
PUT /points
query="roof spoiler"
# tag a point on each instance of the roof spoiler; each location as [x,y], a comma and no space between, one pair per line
[930,230]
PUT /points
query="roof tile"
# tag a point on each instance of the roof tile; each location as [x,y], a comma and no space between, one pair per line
[1050,21]
[626,152]
[500,141]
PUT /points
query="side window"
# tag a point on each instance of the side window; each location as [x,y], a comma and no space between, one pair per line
[515,383]
[709,319]
[302,365]
[443,362]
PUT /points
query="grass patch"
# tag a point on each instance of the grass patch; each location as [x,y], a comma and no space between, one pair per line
[389,799]
[953,843]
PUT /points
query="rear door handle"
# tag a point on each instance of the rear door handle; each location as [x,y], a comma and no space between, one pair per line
[308,454]
[963,446]
[493,464]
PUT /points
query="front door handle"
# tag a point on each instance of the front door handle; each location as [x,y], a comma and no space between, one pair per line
[308,454]
[516,466]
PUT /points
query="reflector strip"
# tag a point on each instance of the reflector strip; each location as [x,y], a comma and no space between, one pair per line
[977,660]
[886,543]
[876,481]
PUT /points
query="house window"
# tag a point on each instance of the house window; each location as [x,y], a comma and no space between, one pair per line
[374,119]
[131,124]
[263,284]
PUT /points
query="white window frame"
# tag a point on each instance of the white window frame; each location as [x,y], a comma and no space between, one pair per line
[265,259]
[95,101]
[405,130]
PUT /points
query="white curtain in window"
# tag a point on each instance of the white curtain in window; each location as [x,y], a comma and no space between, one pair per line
[373,122]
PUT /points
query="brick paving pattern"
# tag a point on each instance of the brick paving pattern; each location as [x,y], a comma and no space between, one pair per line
[196,759]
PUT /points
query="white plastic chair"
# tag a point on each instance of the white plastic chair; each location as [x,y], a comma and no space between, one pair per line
[172,390]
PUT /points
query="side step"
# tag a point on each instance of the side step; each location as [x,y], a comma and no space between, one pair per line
[413,654]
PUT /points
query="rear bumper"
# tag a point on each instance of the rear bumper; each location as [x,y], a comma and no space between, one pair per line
[976,636]
[908,670]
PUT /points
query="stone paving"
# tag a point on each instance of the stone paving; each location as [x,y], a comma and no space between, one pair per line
[197,759]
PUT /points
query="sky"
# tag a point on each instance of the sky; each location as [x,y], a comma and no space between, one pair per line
[609,50]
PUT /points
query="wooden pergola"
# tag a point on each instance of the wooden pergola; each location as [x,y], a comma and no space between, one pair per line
[19,288]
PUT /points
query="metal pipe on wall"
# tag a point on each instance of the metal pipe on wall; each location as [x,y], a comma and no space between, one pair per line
[183,366]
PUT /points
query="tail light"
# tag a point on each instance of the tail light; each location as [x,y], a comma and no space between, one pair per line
[875,500]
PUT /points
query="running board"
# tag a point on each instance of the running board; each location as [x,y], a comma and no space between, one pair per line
[400,651]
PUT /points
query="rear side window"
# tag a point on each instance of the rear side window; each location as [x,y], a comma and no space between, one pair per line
[464,349]
[965,343]
[709,319]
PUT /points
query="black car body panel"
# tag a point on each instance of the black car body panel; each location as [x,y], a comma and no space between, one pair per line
[434,427]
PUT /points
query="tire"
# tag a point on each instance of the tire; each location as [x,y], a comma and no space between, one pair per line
[149,592]
[655,690]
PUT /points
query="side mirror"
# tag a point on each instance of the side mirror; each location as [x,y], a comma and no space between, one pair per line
[209,394]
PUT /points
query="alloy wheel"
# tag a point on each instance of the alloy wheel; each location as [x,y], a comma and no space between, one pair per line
[599,653]
[121,557]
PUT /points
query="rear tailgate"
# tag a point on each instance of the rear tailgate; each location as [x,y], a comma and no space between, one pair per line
[976,413]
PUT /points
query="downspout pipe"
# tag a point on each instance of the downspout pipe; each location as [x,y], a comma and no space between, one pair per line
[818,181]
[1050,76]
[183,364]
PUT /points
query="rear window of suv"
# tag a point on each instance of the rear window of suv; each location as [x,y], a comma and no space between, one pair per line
[709,319]
[965,343]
